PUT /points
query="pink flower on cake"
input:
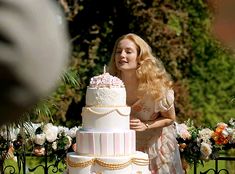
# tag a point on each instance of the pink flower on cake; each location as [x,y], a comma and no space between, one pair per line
[105,80]
[117,82]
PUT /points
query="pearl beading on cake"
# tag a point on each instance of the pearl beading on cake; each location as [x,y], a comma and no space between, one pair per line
[111,166]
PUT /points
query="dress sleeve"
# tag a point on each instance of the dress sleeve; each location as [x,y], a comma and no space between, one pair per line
[166,103]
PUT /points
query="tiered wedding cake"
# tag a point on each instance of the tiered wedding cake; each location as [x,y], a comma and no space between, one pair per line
[105,144]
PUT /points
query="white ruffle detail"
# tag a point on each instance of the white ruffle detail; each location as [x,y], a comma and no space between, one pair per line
[166,103]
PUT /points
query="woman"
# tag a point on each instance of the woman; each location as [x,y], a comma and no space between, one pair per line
[150,95]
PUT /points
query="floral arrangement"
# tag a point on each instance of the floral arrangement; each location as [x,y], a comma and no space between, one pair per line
[202,144]
[195,144]
[39,139]
[55,138]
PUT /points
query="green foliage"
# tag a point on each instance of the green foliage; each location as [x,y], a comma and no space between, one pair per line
[165,26]
[212,84]
[179,34]
[54,108]
[211,72]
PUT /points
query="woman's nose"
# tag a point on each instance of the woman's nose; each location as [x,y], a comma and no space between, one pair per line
[123,54]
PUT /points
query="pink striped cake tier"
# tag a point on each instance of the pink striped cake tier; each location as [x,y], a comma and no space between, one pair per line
[99,143]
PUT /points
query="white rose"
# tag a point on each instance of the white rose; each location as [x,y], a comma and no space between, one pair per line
[40,139]
[54,145]
[205,135]
[205,150]
[62,129]
[72,132]
[51,132]
[51,136]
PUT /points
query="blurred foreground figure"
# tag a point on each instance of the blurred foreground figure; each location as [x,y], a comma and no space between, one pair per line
[34,52]
[224,24]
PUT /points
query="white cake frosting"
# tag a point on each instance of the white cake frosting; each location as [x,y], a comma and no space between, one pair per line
[106,97]
[105,144]
[106,104]
[102,118]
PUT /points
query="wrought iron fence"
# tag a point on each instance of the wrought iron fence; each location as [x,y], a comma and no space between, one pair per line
[216,169]
[21,165]
[54,167]
[54,161]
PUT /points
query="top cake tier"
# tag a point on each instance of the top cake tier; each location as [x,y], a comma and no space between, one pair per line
[106,81]
[105,90]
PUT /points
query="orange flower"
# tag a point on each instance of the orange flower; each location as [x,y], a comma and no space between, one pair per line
[215,136]
[182,146]
[218,136]
[219,129]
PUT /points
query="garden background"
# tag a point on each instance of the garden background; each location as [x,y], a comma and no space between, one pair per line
[179,33]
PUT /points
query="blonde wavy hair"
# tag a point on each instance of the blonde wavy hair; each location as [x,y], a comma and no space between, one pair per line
[151,74]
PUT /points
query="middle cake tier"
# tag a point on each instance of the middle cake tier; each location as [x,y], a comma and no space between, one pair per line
[106,118]
[106,143]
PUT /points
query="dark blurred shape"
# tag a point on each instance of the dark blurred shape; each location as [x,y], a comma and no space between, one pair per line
[224,21]
[34,52]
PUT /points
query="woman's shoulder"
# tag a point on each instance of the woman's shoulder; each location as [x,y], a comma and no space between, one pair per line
[169,93]
[166,102]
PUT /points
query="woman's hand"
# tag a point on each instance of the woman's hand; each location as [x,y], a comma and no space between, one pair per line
[137,125]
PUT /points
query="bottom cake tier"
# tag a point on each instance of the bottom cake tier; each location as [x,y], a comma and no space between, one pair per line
[138,163]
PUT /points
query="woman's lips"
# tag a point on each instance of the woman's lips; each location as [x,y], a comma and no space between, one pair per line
[122,62]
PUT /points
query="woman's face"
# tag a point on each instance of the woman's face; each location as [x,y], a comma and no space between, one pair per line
[126,55]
